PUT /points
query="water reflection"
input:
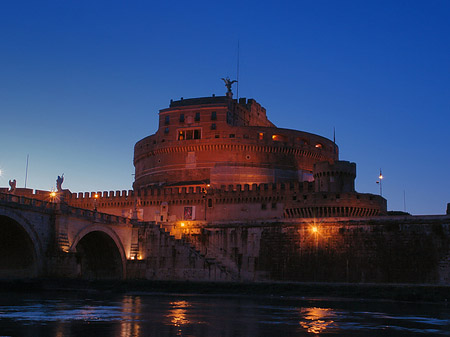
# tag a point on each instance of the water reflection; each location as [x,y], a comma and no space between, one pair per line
[177,314]
[104,315]
[316,320]
[131,310]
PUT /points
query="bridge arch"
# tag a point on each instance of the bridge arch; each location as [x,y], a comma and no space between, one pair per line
[100,252]
[21,253]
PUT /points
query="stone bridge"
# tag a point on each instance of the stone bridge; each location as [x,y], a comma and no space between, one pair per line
[44,239]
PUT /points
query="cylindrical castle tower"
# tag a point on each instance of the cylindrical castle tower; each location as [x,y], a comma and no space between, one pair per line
[334,176]
[223,141]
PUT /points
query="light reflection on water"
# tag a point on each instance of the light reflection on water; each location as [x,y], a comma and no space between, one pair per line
[66,315]
[316,320]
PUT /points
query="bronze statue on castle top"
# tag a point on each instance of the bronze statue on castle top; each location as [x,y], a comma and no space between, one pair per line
[228,84]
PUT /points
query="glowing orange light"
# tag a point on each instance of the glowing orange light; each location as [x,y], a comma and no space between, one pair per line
[314,229]
[53,194]
[317,320]
[182,224]
[96,196]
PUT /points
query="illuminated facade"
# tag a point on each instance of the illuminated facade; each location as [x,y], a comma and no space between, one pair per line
[218,159]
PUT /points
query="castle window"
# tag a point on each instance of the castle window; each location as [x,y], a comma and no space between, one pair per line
[167,120]
[263,206]
[213,115]
[189,134]
[216,136]
[166,130]
[182,118]
[213,126]
[274,205]
[261,136]
[319,146]
[197,116]
[246,136]
[232,135]
[209,202]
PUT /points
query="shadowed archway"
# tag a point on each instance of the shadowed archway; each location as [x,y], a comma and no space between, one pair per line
[17,251]
[99,257]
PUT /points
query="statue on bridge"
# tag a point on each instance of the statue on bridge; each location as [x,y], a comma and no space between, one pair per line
[12,186]
[59,182]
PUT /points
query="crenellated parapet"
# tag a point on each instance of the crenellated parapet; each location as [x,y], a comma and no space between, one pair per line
[290,200]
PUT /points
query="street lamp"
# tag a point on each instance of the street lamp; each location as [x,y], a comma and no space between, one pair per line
[379,181]
[52,196]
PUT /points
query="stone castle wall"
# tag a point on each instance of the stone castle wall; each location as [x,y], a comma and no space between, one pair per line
[386,250]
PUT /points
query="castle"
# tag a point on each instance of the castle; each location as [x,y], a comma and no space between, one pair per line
[221,193]
[218,158]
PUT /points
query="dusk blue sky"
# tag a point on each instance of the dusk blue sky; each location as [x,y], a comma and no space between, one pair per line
[82,81]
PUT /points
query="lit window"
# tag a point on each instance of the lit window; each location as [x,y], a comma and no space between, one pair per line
[319,146]
[261,136]
[189,134]
[279,138]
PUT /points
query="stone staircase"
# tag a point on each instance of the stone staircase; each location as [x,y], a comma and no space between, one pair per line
[231,272]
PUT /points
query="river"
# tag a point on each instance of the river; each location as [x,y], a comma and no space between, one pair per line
[97,314]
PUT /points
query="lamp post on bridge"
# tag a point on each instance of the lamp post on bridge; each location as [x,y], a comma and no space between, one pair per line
[95,202]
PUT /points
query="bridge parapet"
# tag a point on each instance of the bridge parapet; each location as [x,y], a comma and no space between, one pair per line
[6,198]
[94,216]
